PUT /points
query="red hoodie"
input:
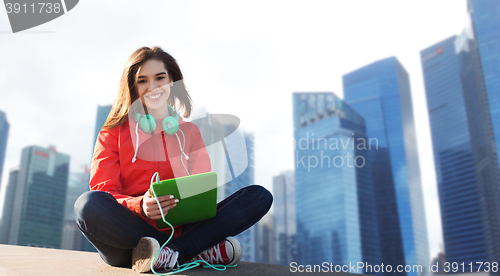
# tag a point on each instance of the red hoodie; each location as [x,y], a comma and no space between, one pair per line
[114,171]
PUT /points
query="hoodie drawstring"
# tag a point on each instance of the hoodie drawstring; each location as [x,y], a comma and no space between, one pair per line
[182,150]
[137,143]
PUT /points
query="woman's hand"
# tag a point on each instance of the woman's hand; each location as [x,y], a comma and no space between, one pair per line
[150,207]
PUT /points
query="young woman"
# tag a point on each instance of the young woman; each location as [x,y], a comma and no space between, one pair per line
[118,215]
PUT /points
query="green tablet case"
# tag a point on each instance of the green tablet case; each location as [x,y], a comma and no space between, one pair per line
[197,196]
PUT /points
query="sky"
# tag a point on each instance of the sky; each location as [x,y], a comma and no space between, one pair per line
[244,58]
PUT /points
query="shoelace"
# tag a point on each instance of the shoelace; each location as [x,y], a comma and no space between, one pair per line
[212,255]
[167,259]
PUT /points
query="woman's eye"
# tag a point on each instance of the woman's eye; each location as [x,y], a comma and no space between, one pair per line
[158,78]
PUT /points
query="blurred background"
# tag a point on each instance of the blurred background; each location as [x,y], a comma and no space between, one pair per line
[375,124]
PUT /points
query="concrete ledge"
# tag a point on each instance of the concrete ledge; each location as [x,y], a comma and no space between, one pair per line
[23,260]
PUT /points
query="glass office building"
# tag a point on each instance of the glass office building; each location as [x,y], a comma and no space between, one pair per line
[485,22]
[102,115]
[464,150]
[8,205]
[264,238]
[247,177]
[485,19]
[380,93]
[4,135]
[38,205]
[336,216]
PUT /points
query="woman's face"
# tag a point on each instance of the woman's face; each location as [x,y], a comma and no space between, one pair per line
[153,84]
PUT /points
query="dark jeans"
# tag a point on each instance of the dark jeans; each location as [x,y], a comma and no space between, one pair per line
[114,230]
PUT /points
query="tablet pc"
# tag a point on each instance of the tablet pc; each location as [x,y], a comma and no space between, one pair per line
[197,196]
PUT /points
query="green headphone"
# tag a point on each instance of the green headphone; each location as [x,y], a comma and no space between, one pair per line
[148,124]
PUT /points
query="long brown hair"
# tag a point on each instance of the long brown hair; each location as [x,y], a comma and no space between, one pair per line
[127,90]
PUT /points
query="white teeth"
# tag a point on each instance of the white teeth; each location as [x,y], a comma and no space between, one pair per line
[154,97]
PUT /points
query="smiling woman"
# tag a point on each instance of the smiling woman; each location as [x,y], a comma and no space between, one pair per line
[118,216]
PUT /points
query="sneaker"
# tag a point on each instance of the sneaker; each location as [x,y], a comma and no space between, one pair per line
[146,249]
[227,252]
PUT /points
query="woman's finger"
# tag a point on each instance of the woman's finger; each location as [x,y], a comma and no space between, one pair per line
[165,197]
[162,198]
[164,203]
[153,207]
[157,212]
[165,209]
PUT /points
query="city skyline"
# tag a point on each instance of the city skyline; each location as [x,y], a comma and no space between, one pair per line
[326,62]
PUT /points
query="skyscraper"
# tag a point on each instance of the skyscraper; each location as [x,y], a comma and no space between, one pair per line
[464,150]
[284,219]
[336,218]
[264,239]
[102,115]
[380,93]
[485,19]
[38,204]
[485,22]
[4,134]
[247,178]
[8,206]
